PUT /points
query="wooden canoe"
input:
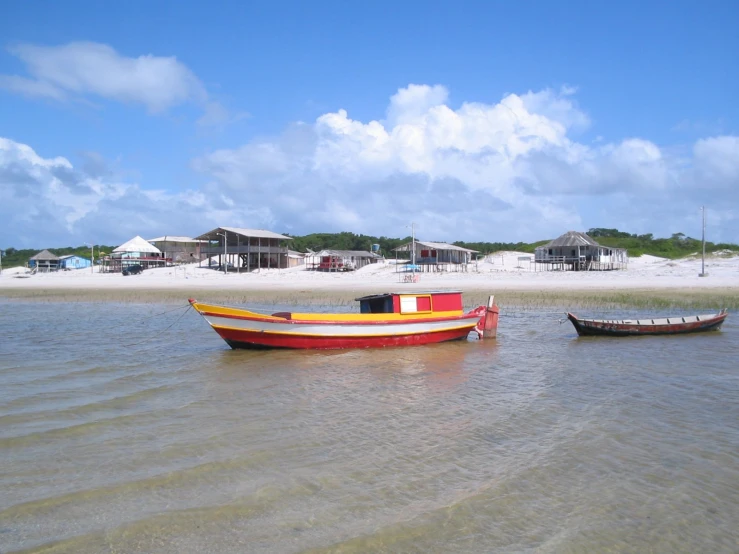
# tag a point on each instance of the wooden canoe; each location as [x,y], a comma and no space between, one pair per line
[648,326]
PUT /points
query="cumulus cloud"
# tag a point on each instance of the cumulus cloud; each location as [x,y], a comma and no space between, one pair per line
[49,202]
[510,170]
[88,69]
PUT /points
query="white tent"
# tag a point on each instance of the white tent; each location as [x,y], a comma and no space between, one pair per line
[137,244]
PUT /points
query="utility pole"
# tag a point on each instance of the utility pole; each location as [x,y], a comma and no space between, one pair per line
[413,246]
[92,257]
[703,240]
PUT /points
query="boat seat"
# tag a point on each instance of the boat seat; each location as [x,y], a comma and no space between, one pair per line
[285,315]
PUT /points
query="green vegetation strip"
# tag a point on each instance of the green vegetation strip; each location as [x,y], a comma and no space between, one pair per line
[657,299]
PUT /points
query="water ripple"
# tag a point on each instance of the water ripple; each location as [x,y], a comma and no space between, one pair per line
[537,442]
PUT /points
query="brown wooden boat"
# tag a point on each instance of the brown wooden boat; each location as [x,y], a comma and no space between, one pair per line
[648,326]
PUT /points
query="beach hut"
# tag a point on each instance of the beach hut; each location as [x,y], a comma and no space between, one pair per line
[72,261]
[179,249]
[136,251]
[437,256]
[577,251]
[340,260]
[295,259]
[237,247]
[44,262]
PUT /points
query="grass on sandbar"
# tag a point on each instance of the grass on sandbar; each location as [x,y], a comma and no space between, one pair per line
[657,299]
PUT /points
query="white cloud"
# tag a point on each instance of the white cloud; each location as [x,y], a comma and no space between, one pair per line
[79,70]
[510,170]
[717,162]
[502,171]
[48,202]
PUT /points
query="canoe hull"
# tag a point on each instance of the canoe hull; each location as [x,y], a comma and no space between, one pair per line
[648,327]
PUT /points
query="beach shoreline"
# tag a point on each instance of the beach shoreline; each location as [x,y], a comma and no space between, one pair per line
[648,282]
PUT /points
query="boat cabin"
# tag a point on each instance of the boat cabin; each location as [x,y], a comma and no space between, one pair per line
[411,303]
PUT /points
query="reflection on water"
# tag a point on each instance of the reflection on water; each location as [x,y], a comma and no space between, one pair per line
[119,434]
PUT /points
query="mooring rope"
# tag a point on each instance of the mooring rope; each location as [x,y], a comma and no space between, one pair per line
[167,312]
[159,334]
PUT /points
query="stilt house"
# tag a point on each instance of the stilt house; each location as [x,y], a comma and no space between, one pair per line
[437,256]
[340,260]
[136,251]
[246,249]
[44,262]
[179,249]
[576,251]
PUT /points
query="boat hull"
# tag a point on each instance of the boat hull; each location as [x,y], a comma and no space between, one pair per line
[255,340]
[245,329]
[648,327]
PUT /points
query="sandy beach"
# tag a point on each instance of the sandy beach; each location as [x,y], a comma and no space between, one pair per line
[647,280]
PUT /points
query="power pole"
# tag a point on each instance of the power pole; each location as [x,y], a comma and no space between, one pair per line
[413,246]
[703,240]
[92,257]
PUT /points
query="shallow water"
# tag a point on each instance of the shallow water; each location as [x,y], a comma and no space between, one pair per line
[125,429]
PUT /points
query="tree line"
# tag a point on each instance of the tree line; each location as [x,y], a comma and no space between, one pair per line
[676,246]
[13,257]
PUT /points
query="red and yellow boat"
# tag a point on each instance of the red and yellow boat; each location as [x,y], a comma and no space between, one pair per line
[390,319]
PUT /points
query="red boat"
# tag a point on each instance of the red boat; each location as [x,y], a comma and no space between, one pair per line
[648,326]
[391,319]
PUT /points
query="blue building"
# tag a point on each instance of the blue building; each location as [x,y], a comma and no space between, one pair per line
[73,262]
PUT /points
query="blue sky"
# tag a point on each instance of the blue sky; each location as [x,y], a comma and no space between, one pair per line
[478,120]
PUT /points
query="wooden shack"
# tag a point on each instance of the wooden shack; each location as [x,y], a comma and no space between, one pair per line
[239,248]
[436,256]
[340,260]
[72,261]
[44,262]
[179,249]
[576,251]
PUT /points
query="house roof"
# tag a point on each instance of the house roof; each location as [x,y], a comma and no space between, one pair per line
[171,238]
[137,244]
[571,238]
[347,253]
[44,255]
[255,233]
[433,246]
[72,256]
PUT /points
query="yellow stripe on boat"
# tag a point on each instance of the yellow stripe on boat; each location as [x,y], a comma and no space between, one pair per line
[389,317]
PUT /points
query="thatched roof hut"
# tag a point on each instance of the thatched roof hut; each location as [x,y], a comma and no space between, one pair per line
[44,261]
[577,251]
[571,238]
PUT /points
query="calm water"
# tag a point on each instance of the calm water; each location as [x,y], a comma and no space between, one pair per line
[120,435]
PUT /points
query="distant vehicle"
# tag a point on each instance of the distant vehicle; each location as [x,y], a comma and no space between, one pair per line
[133,269]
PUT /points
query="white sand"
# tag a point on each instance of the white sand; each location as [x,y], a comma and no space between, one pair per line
[499,272]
